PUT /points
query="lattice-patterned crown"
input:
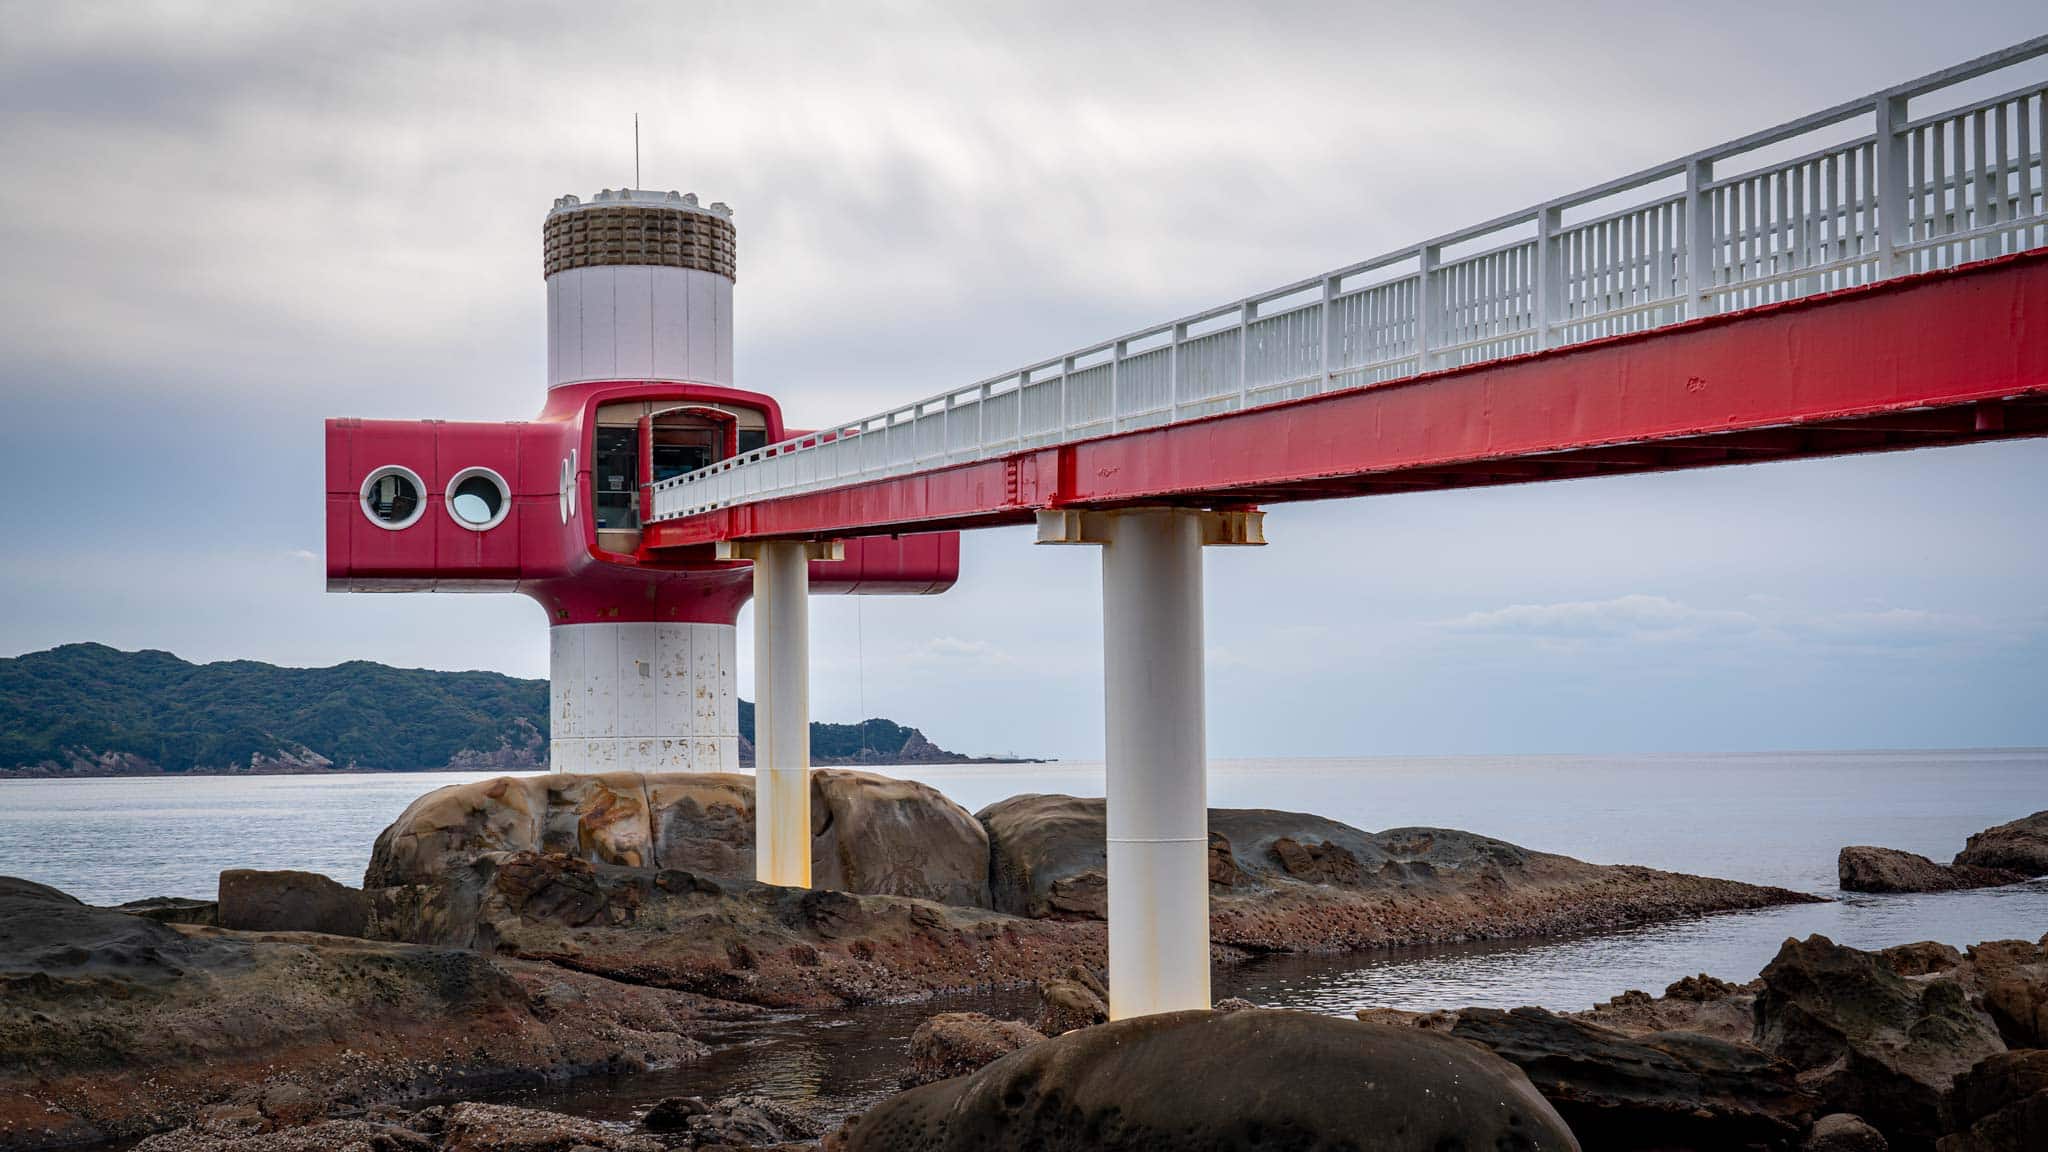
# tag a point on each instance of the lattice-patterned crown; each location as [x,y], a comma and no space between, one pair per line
[658,229]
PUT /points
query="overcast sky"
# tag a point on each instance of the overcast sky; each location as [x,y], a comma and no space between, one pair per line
[223,222]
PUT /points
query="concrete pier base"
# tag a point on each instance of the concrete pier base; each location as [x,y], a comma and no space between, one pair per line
[643,697]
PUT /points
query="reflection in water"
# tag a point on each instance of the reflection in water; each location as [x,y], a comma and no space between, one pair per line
[840,1062]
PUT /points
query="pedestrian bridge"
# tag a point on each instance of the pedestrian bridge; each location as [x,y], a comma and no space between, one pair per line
[1672,283]
[1873,276]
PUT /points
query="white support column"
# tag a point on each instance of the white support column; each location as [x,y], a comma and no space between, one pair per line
[1158,808]
[782,704]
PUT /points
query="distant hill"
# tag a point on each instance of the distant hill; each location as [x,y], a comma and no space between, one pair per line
[91,710]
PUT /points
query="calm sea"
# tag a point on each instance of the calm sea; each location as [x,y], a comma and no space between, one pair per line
[1771,819]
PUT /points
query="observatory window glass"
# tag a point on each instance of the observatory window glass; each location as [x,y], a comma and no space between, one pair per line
[683,449]
[752,438]
[478,498]
[615,475]
[391,497]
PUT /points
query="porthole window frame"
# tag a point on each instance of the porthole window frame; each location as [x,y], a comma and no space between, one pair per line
[378,473]
[471,473]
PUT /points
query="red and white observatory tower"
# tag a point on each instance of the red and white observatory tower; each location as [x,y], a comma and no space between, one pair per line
[640,387]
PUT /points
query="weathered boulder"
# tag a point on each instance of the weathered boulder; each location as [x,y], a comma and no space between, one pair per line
[956,1043]
[1277,1081]
[1048,856]
[1841,1132]
[287,901]
[2001,1105]
[2021,846]
[871,834]
[889,837]
[1663,1090]
[449,826]
[703,822]
[1862,868]
[1867,1040]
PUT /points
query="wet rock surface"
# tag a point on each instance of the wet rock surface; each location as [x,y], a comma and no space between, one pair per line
[173,910]
[2021,846]
[1288,881]
[735,1122]
[1076,1000]
[1861,868]
[285,901]
[776,947]
[1657,1090]
[956,1043]
[1868,1040]
[113,1024]
[1204,1080]
[2001,1105]
[1841,1132]
[1904,1045]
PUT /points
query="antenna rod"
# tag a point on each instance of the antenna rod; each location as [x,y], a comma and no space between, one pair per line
[636,149]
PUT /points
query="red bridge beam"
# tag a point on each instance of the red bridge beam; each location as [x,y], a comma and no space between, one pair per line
[1939,358]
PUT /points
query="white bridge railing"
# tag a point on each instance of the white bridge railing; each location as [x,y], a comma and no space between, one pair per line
[1869,189]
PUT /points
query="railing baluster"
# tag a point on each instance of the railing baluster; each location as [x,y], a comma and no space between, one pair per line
[1245,315]
[1549,289]
[1180,333]
[1116,364]
[1700,244]
[1066,393]
[1428,306]
[1329,320]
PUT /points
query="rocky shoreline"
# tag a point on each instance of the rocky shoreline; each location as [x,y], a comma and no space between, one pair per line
[529,930]
[1915,1048]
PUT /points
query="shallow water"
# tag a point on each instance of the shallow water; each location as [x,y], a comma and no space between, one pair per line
[1770,819]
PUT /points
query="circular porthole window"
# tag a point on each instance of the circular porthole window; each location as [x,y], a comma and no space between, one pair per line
[478,499]
[393,497]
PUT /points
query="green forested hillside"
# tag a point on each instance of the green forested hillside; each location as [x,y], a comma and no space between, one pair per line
[90,701]
[87,709]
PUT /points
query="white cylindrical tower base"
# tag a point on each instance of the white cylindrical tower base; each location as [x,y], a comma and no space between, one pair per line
[643,697]
[1158,817]
[782,714]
